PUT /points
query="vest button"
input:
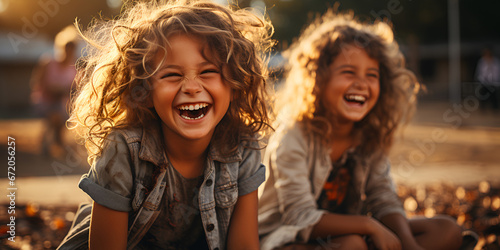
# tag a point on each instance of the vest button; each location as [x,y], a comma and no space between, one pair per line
[363,197]
[210,227]
[209,182]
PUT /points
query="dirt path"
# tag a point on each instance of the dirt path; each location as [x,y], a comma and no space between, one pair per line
[425,154]
[464,156]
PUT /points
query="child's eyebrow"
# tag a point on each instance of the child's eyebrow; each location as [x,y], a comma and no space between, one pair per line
[175,66]
[344,66]
[171,66]
[352,66]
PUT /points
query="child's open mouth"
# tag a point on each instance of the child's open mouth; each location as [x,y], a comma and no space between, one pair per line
[357,99]
[193,111]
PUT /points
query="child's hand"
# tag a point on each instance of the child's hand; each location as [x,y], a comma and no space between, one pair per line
[416,248]
[413,247]
[383,238]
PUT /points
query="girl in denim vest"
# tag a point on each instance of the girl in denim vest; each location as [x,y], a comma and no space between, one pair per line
[328,183]
[171,103]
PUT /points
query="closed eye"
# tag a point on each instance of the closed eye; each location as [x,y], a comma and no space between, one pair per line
[347,72]
[171,75]
[208,71]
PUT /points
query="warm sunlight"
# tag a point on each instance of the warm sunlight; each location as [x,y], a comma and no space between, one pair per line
[3,5]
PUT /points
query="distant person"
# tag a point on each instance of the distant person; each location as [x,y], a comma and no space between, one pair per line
[488,75]
[51,83]
[329,185]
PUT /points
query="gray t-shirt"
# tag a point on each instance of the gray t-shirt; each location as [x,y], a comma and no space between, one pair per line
[178,225]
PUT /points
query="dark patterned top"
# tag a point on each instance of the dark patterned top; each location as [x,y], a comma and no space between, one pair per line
[178,225]
[332,197]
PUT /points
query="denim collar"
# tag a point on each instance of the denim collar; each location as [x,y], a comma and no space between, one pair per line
[152,147]
[216,155]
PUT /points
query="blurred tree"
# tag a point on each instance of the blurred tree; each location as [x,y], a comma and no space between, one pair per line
[30,18]
[425,19]
[479,20]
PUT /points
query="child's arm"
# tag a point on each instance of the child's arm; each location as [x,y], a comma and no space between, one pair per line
[243,233]
[338,224]
[108,228]
[399,225]
[385,205]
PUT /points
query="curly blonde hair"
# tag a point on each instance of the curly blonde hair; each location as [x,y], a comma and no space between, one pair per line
[308,73]
[113,81]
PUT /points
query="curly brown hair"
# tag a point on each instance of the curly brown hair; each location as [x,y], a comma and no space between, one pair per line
[308,73]
[113,81]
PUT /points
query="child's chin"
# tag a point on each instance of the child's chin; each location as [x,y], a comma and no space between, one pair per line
[356,118]
[196,134]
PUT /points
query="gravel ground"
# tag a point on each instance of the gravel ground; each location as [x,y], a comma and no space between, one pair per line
[475,208]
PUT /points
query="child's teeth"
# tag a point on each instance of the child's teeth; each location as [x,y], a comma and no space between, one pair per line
[356,98]
[193,107]
[189,118]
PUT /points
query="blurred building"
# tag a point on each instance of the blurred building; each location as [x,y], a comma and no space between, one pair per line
[422,28]
[27,30]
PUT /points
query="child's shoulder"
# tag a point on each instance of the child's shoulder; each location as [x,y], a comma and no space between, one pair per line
[295,132]
[122,138]
[130,133]
[288,138]
[127,135]
[138,142]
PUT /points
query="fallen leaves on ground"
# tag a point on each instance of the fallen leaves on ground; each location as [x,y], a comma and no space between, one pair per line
[475,208]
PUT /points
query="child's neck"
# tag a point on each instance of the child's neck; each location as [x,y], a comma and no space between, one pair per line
[187,158]
[341,139]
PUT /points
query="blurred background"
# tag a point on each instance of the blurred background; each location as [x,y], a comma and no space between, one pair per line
[446,160]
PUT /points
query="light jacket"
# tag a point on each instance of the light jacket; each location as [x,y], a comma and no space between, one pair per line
[138,189]
[298,167]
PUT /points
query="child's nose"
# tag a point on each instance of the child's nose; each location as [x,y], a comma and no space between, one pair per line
[191,85]
[360,82]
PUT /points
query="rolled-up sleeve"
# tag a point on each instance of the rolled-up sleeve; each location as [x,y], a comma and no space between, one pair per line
[252,172]
[109,181]
[381,196]
[293,185]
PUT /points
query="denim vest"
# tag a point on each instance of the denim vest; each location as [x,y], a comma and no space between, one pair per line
[225,178]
